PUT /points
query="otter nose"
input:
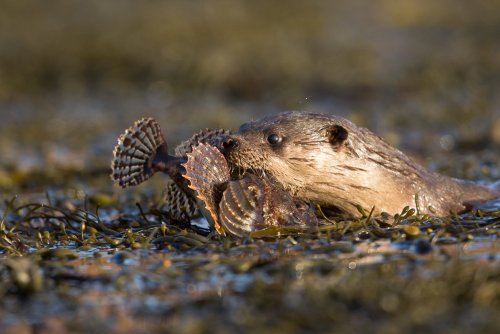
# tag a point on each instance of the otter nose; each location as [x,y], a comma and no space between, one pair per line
[228,144]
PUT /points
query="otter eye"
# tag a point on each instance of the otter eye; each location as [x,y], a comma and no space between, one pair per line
[273,139]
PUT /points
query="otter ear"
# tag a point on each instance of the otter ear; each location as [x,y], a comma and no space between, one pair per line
[337,134]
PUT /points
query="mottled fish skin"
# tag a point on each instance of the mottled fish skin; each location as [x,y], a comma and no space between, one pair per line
[244,205]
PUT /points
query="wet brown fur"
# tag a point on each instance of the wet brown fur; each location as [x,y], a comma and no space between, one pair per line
[332,161]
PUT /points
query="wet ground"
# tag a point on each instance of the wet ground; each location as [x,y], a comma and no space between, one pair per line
[69,266]
[77,254]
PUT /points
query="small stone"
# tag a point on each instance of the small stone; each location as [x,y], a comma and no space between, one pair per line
[411,231]
[422,246]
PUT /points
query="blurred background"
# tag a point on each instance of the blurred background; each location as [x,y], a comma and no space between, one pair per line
[425,75]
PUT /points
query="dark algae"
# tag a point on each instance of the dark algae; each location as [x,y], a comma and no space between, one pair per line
[79,254]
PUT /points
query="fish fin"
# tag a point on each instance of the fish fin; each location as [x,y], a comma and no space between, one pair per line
[208,172]
[206,136]
[178,204]
[137,149]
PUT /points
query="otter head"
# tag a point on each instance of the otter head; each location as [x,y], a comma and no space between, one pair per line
[291,147]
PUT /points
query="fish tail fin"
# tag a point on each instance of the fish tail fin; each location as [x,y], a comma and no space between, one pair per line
[138,148]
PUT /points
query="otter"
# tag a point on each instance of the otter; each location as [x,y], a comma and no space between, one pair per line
[331,161]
